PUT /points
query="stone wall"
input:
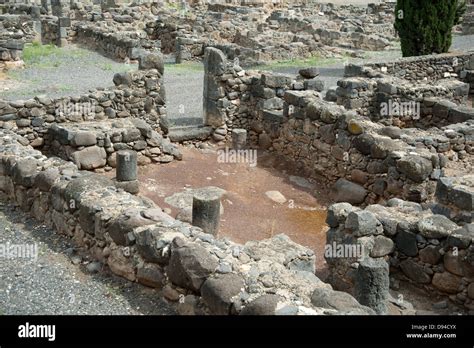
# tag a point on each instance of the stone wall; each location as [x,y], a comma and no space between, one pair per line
[138,241]
[90,128]
[56,31]
[468,21]
[377,159]
[368,96]
[424,248]
[431,67]
[15,31]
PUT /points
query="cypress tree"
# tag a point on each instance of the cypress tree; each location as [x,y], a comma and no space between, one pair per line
[425,26]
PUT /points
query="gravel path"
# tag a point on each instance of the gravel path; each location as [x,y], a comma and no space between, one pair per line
[184,86]
[52,284]
[73,71]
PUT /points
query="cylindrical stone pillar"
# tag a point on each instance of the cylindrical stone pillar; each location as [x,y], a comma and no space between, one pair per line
[372,284]
[206,211]
[126,165]
[239,138]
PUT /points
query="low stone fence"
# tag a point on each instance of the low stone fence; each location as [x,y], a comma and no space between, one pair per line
[110,43]
[430,67]
[90,128]
[11,50]
[468,21]
[15,31]
[137,94]
[455,198]
[138,241]
[426,249]
[56,31]
[366,160]
[393,101]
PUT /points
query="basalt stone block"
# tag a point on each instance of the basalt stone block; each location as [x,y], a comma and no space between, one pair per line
[314,84]
[23,172]
[153,243]
[263,305]
[214,61]
[363,143]
[443,187]
[346,191]
[84,139]
[190,264]
[382,246]
[123,225]
[276,80]
[363,223]
[61,134]
[219,292]
[309,73]
[430,254]
[131,134]
[446,282]
[46,179]
[90,158]
[150,275]
[406,241]
[151,61]
[338,300]
[462,237]
[80,186]
[462,197]
[436,226]
[337,213]
[273,116]
[122,79]
[415,272]
[416,168]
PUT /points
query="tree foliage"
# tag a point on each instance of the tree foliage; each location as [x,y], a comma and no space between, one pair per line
[425,26]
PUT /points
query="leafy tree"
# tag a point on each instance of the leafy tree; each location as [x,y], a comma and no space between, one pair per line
[425,26]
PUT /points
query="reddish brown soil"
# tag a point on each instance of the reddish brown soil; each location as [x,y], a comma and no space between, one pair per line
[248,213]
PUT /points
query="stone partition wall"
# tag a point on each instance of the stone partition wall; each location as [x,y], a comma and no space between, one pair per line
[15,31]
[424,248]
[468,21]
[56,31]
[138,241]
[365,161]
[430,67]
[111,43]
[90,128]
[238,98]
[368,96]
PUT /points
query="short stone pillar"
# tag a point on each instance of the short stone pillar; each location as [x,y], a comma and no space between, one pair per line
[239,138]
[127,171]
[206,211]
[372,284]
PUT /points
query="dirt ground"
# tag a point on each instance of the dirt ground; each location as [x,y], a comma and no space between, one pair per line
[248,213]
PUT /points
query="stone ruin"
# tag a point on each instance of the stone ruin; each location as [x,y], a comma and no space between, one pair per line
[400,179]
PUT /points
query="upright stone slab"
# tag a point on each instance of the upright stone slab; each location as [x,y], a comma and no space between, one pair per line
[126,165]
[206,211]
[372,284]
[239,138]
[214,66]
